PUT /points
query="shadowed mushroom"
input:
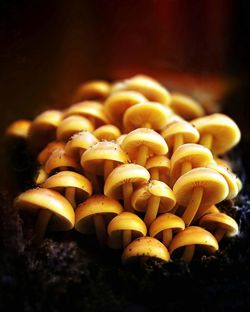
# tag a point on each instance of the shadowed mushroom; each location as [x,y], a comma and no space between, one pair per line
[186,106]
[54,212]
[159,168]
[141,143]
[93,215]
[44,155]
[119,184]
[153,198]
[220,225]
[190,237]
[218,132]
[19,129]
[124,228]
[74,186]
[202,211]
[92,90]
[199,187]
[107,132]
[40,176]
[144,248]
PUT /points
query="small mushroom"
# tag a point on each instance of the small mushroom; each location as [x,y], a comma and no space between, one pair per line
[199,187]
[124,228]
[19,129]
[107,132]
[141,143]
[40,176]
[202,211]
[162,227]
[92,90]
[119,184]
[218,132]
[93,215]
[75,187]
[54,212]
[190,237]
[143,248]
[44,155]
[220,225]
[159,168]
[153,197]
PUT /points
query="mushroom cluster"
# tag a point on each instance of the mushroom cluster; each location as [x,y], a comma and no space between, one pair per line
[139,167]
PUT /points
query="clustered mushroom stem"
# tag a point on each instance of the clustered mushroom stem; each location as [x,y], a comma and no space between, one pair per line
[100,229]
[154,173]
[188,253]
[193,205]
[142,155]
[219,234]
[206,140]
[42,222]
[126,237]
[186,166]
[92,120]
[152,209]
[178,141]
[146,125]
[94,180]
[167,236]
[108,167]
[127,190]
[70,193]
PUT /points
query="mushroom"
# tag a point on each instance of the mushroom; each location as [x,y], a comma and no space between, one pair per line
[153,197]
[159,168]
[185,106]
[118,102]
[93,215]
[179,133]
[202,211]
[119,184]
[102,157]
[141,143]
[44,155]
[143,248]
[220,225]
[218,132]
[92,90]
[19,129]
[199,187]
[146,115]
[40,176]
[191,236]
[107,132]
[162,227]
[120,139]
[72,125]
[124,228]
[75,187]
[54,211]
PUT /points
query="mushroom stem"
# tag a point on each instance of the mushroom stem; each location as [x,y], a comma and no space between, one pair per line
[100,229]
[193,205]
[92,120]
[154,173]
[127,190]
[219,234]
[63,168]
[188,253]
[146,125]
[94,180]
[70,193]
[178,141]
[142,155]
[167,236]
[164,178]
[152,209]
[126,237]
[206,140]
[186,166]
[42,222]
[108,167]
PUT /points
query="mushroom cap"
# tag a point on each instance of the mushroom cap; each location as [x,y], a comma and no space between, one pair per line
[93,158]
[214,185]
[57,159]
[120,139]
[219,220]
[194,235]
[197,155]
[79,142]
[147,86]
[64,179]
[205,210]
[44,155]
[161,162]
[164,222]
[223,162]
[128,173]
[145,247]
[147,137]
[40,176]
[107,132]
[224,130]
[141,195]
[33,200]
[89,109]
[18,129]
[92,90]
[97,204]
[154,113]
[72,125]
[118,102]
[189,133]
